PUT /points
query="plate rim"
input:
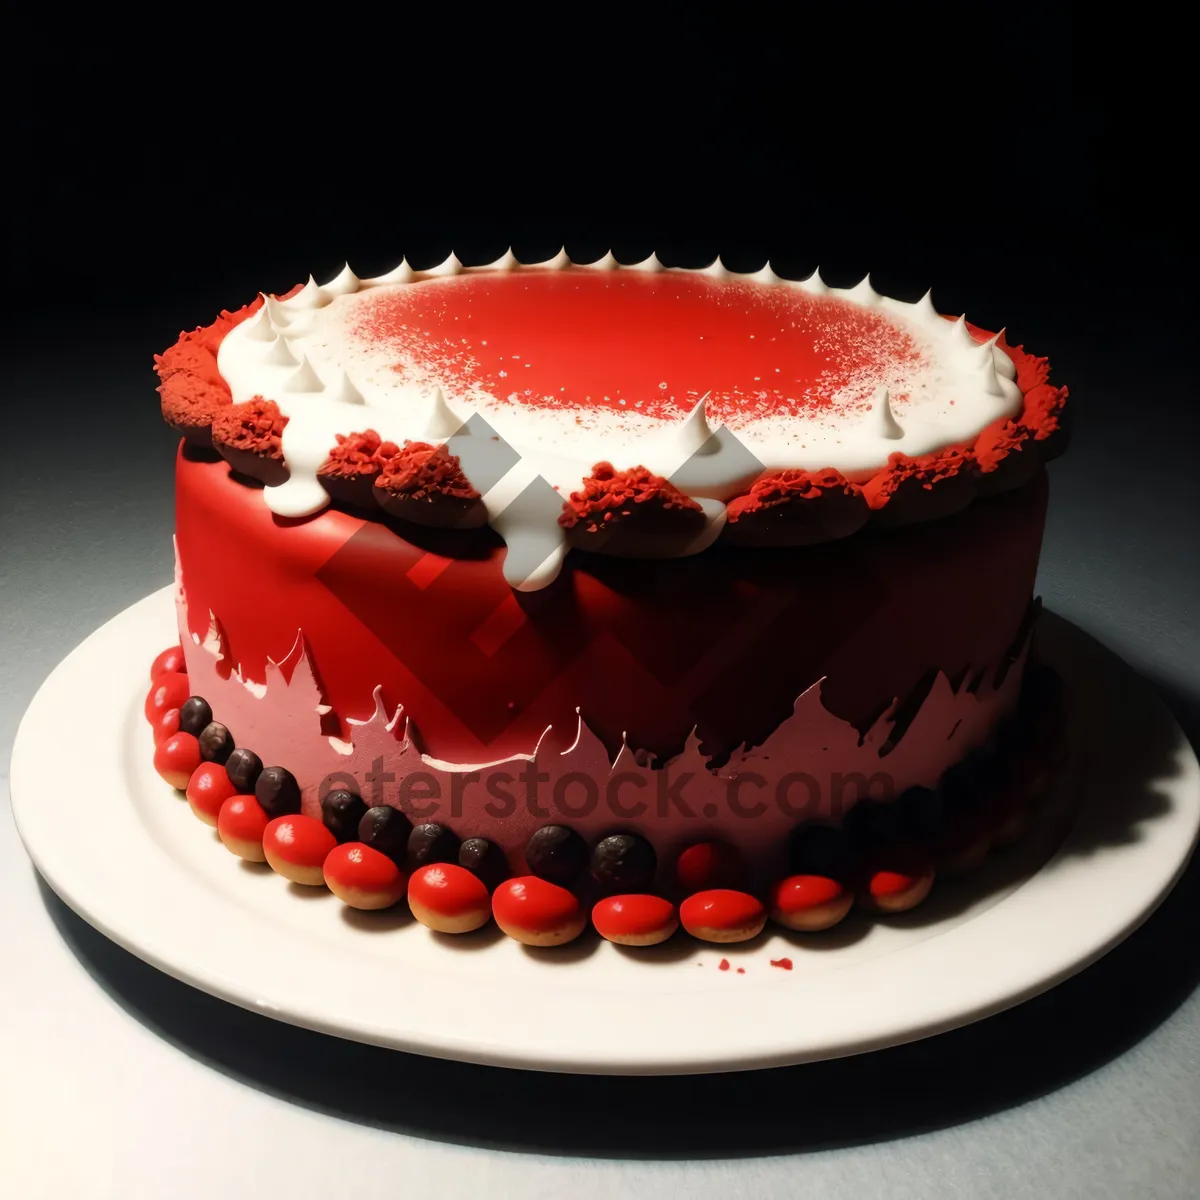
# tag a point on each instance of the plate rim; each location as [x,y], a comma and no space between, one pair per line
[659,1041]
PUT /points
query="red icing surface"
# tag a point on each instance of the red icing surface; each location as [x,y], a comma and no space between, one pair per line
[300,840]
[171,659]
[651,342]
[359,867]
[168,691]
[724,641]
[533,904]
[800,892]
[632,916]
[720,908]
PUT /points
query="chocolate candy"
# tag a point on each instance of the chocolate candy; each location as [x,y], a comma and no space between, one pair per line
[341,811]
[244,767]
[871,822]
[385,829]
[820,850]
[216,742]
[556,854]
[431,843]
[623,862]
[194,715]
[923,813]
[277,791]
[485,860]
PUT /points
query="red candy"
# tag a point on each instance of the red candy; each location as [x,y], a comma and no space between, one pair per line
[208,789]
[723,915]
[241,823]
[635,920]
[810,902]
[170,660]
[537,912]
[709,865]
[296,847]
[176,757]
[169,690]
[449,898]
[165,724]
[896,878]
[964,846]
[362,877]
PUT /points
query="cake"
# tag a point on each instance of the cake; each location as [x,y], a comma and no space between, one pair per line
[679,596]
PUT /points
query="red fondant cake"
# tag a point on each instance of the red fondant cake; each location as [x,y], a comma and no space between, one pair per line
[639,582]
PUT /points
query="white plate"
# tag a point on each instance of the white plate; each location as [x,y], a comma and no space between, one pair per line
[123,850]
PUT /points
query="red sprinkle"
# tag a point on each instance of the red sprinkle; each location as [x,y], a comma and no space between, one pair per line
[302,841]
[723,965]
[448,889]
[783,963]
[171,659]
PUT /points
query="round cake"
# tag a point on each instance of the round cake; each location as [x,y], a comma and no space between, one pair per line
[684,567]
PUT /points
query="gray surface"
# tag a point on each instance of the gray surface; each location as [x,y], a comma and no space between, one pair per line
[117,1081]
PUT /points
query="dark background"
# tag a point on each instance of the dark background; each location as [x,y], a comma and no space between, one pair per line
[1025,168]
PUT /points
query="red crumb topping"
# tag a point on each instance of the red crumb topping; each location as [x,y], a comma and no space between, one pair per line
[189,400]
[421,471]
[927,470]
[190,356]
[358,454]
[608,493]
[254,426]
[784,487]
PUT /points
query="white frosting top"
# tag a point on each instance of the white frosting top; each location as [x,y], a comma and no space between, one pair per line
[552,371]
